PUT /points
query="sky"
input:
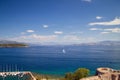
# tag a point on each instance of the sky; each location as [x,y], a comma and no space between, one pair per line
[60,21]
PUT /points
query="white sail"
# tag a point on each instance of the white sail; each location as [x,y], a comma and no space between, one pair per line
[63,51]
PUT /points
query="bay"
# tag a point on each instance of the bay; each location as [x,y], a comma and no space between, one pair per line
[52,60]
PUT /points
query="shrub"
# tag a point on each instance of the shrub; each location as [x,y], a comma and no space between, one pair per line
[69,76]
[81,73]
[78,74]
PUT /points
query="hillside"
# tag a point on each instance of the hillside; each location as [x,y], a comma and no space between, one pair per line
[5,43]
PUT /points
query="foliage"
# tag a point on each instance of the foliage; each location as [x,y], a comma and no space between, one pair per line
[13,45]
[81,73]
[78,74]
[69,76]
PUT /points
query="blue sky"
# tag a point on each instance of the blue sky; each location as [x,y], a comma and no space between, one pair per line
[59,21]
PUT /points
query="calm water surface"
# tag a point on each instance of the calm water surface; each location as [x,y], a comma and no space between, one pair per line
[52,60]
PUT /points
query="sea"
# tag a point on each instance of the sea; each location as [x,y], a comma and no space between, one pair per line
[59,59]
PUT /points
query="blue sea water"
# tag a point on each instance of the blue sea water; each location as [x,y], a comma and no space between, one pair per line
[52,60]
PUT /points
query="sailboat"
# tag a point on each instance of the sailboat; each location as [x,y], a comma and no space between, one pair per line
[63,51]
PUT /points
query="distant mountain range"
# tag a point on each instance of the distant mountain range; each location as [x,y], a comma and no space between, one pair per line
[101,43]
[8,42]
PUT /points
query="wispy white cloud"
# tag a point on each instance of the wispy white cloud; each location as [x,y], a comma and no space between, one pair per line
[48,38]
[87,0]
[71,38]
[27,31]
[30,31]
[99,17]
[114,30]
[58,32]
[77,39]
[116,21]
[45,26]
[35,38]
[95,29]
[105,32]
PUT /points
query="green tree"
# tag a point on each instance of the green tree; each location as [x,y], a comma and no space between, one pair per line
[77,75]
[80,73]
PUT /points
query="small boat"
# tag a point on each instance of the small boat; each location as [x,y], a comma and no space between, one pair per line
[63,51]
